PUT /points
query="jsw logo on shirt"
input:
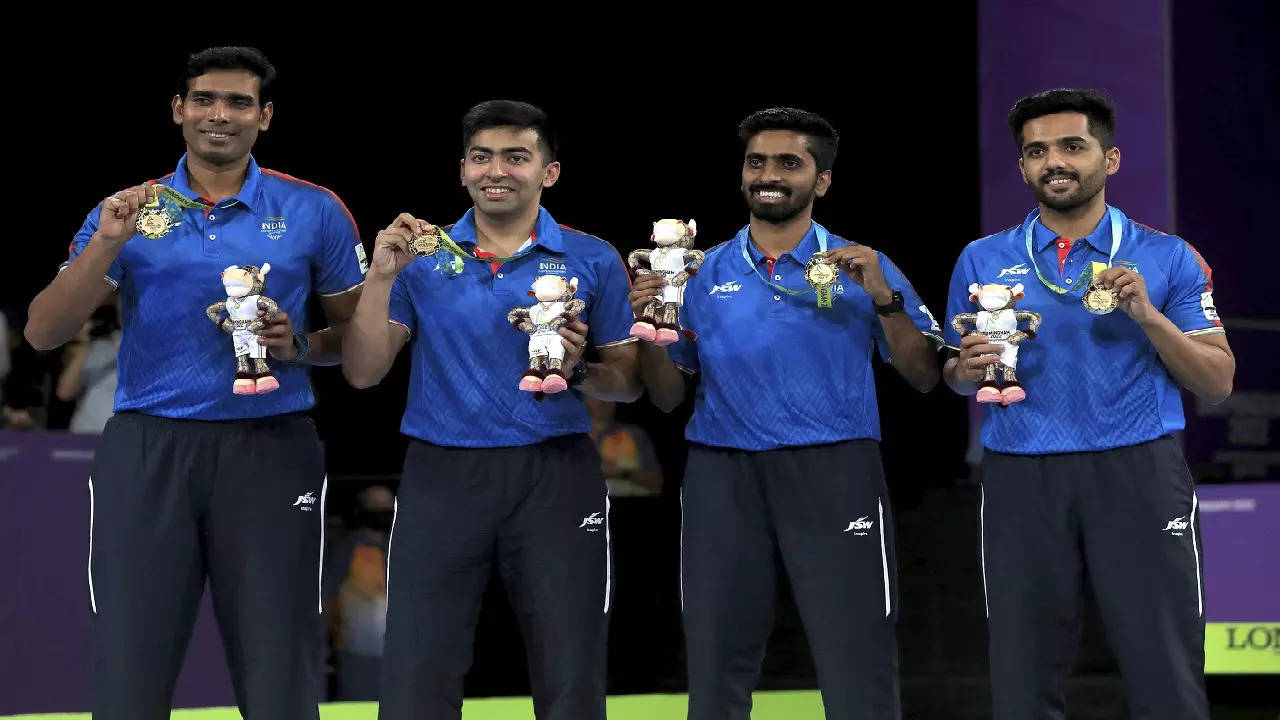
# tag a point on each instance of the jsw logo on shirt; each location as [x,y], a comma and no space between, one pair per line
[306,501]
[1019,269]
[861,524]
[1177,525]
[731,286]
[592,519]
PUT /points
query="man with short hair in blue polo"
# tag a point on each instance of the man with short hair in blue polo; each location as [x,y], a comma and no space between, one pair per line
[208,470]
[784,460]
[1081,475]
[495,473]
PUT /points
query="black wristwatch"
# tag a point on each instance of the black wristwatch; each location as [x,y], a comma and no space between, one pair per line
[895,305]
[303,345]
[579,375]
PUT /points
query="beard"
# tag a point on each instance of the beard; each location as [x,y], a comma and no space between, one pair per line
[793,203]
[1087,187]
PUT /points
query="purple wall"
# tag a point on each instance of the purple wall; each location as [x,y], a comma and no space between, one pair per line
[1241,568]
[45,638]
[1025,46]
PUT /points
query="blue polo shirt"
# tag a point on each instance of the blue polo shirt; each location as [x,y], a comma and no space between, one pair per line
[468,360]
[777,370]
[173,361]
[1093,382]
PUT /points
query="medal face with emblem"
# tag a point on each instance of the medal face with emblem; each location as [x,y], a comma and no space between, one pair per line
[427,243]
[153,222]
[1099,300]
[821,275]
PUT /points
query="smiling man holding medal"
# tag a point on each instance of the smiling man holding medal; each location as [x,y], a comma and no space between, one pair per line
[193,481]
[1084,476]
[784,460]
[495,474]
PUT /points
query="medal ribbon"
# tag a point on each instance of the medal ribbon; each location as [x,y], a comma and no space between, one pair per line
[169,194]
[824,294]
[1087,273]
[447,243]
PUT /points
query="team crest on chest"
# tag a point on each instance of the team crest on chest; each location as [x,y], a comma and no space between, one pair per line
[273,227]
[552,266]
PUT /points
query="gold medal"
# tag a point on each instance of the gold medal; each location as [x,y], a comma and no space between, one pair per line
[153,222]
[821,275]
[1099,300]
[427,243]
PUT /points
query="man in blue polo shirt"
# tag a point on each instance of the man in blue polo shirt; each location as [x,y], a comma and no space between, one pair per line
[784,461]
[494,473]
[193,480]
[1082,476]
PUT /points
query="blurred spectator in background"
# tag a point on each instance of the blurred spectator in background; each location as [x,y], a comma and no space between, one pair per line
[626,454]
[88,378]
[27,395]
[4,353]
[356,595]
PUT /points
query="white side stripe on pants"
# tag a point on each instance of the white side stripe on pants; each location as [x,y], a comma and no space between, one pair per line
[681,549]
[324,491]
[884,561]
[93,602]
[395,510]
[1195,551]
[982,545]
[608,559]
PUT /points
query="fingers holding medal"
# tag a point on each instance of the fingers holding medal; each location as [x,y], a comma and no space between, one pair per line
[421,238]
[405,239]
[120,212]
[862,264]
[1119,287]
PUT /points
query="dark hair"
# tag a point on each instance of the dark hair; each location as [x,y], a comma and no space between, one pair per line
[820,137]
[231,58]
[510,113]
[1093,104]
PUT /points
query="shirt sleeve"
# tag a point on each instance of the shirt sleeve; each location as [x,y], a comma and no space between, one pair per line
[341,262]
[400,308]
[1190,303]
